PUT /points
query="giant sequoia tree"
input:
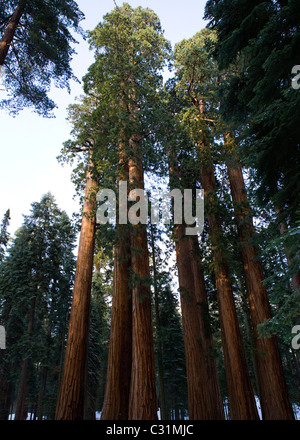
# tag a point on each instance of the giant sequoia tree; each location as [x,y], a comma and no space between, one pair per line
[71,399]
[130,52]
[198,74]
[125,127]
[36,49]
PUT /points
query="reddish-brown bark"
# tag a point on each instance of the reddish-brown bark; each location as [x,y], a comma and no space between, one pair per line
[9,33]
[241,397]
[143,403]
[204,396]
[116,400]
[204,399]
[272,387]
[70,403]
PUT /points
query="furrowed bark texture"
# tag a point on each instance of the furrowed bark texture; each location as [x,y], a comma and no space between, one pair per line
[204,396]
[215,398]
[143,403]
[70,404]
[203,401]
[116,400]
[274,400]
[241,398]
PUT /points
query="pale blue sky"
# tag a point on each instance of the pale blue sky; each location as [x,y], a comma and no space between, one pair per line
[30,143]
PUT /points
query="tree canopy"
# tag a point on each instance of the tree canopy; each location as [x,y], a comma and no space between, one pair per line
[36,49]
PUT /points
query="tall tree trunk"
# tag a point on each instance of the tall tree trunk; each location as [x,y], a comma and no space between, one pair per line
[204,396]
[70,404]
[117,388]
[143,399]
[9,33]
[273,391]
[116,399]
[240,393]
[200,401]
[213,384]
[21,397]
[162,398]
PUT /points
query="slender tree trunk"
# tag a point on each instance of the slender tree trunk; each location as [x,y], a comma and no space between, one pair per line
[273,391]
[21,397]
[39,409]
[240,393]
[143,399]
[70,404]
[162,399]
[9,33]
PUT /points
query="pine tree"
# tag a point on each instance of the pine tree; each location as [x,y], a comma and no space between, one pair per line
[35,49]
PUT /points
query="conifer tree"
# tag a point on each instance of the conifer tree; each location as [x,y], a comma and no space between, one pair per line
[35,49]
[197,76]
[71,399]
[130,52]
[37,274]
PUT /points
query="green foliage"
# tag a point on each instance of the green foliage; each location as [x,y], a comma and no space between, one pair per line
[4,235]
[261,39]
[130,53]
[40,53]
[36,281]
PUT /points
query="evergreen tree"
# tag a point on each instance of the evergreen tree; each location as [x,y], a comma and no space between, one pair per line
[130,52]
[36,281]
[36,49]
[261,40]
[71,399]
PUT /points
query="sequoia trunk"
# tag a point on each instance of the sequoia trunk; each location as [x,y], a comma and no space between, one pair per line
[116,400]
[143,400]
[204,397]
[241,398]
[70,404]
[117,388]
[273,391]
